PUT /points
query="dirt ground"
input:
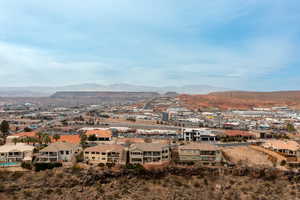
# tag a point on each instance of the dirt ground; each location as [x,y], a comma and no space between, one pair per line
[246,155]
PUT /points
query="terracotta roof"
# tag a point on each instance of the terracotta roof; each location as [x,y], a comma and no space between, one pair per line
[132,140]
[199,146]
[105,148]
[99,133]
[74,139]
[237,133]
[24,134]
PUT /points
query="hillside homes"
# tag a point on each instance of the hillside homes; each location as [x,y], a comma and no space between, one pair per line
[106,154]
[149,153]
[16,152]
[287,148]
[200,152]
[58,152]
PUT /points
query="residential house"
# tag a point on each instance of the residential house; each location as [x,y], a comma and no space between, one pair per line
[287,148]
[16,152]
[58,152]
[200,152]
[236,135]
[111,153]
[149,153]
[100,135]
[199,134]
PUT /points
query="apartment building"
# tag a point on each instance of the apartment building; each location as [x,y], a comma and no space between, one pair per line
[58,152]
[111,153]
[200,152]
[149,153]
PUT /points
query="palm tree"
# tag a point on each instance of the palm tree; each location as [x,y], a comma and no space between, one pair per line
[46,139]
[83,139]
[39,136]
[33,140]
[56,137]
[15,140]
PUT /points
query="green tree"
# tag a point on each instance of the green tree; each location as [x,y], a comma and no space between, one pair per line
[56,137]
[92,138]
[46,139]
[39,136]
[15,140]
[27,129]
[4,127]
[290,128]
[32,140]
[83,139]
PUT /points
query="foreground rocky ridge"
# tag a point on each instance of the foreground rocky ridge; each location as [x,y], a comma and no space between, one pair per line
[169,183]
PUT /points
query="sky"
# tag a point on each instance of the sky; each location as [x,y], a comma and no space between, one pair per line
[236,44]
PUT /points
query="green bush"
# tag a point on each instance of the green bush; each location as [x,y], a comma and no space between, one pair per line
[26,165]
[79,157]
[110,165]
[44,166]
[101,165]
[137,167]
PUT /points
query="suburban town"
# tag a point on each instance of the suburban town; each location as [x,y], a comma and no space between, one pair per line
[149,100]
[143,131]
[152,132]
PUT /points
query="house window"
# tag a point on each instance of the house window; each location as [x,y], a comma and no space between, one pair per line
[93,152]
[103,153]
[97,152]
[67,152]
[62,152]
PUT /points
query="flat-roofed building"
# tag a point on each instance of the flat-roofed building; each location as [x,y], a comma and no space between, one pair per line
[110,153]
[200,152]
[149,153]
[199,134]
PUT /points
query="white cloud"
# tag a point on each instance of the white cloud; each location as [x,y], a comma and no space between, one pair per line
[144,42]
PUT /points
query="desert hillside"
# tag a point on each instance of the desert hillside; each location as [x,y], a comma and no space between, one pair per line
[241,100]
[169,184]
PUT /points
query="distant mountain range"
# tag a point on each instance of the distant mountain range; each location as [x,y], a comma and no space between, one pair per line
[243,100]
[48,91]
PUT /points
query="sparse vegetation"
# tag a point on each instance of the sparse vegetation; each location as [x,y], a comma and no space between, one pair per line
[168,184]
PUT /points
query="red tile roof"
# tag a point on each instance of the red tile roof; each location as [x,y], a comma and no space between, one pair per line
[100,133]
[238,133]
[24,134]
[74,139]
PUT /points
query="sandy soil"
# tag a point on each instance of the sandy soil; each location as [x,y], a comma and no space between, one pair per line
[248,156]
